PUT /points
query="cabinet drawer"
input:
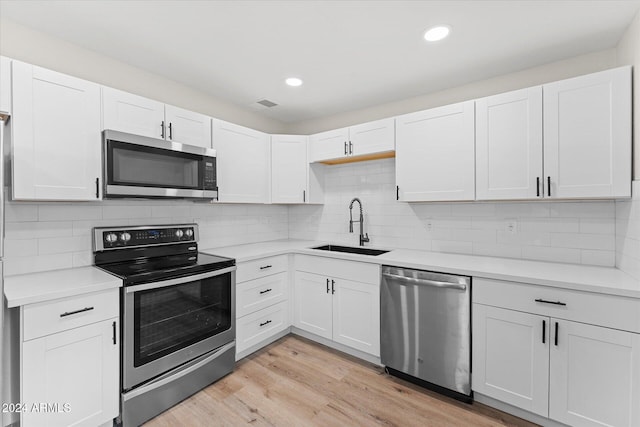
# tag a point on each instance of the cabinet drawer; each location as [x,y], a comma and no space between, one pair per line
[587,307]
[67,313]
[261,267]
[331,267]
[258,326]
[257,294]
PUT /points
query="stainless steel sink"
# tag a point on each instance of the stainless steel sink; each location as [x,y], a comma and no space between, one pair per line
[351,250]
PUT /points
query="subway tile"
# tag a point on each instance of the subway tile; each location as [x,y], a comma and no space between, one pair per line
[598,225]
[32,264]
[497,249]
[82,259]
[20,212]
[523,238]
[171,211]
[35,230]
[473,210]
[595,257]
[553,254]
[64,244]
[541,225]
[81,228]
[583,209]
[474,235]
[583,241]
[22,247]
[451,246]
[521,209]
[69,212]
[126,211]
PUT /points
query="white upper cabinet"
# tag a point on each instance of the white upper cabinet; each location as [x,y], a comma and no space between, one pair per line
[362,140]
[243,162]
[187,127]
[289,167]
[5,84]
[131,113]
[56,135]
[435,154]
[587,136]
[509,145]
[135,114]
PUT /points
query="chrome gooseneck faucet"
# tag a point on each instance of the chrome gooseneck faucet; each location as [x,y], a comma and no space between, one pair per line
[363,237]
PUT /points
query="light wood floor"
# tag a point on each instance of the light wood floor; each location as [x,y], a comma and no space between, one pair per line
[296,382]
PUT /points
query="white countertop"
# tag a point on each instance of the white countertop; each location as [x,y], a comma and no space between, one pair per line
[606,280]
[49,285]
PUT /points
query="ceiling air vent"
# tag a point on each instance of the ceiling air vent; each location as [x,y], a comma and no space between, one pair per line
[267,103]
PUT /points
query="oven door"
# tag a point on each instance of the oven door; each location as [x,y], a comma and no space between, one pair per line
[168,323]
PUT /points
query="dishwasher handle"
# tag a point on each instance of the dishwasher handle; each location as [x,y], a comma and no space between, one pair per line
[426,282]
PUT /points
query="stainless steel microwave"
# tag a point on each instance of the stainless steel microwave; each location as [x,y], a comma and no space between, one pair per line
[139,166]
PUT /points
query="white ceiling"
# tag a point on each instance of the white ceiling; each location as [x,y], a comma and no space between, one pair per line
[350,54]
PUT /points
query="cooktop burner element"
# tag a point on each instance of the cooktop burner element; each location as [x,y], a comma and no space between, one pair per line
[153,253]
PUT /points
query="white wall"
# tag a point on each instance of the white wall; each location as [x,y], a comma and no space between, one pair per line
[50,236]
[573,232]
[25,44]
[571,67]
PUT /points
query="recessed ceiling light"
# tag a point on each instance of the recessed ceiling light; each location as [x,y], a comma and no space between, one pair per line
[293,81]
[435,34]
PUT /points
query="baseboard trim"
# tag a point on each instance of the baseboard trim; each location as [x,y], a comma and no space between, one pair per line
[520,413]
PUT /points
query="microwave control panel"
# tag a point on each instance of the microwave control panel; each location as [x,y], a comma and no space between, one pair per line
[210,173]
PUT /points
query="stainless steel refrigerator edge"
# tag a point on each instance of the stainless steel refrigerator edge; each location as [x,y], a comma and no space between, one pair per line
[426,327]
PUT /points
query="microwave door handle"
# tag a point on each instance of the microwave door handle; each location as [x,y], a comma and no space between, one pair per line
[179,280]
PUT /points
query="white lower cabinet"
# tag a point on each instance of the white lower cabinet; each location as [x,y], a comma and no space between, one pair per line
[342,305]
[547,361]
[70,373]
[262,306]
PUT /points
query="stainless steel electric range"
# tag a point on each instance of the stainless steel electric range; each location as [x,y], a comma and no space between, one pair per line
[177,309]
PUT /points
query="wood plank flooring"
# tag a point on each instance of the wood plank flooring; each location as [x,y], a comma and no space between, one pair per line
[296,382]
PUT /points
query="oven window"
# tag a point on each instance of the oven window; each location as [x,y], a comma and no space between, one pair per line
[142,166]
[174,317]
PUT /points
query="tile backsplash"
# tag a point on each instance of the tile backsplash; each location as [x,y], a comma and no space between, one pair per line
[628,233]
[573,232]
[48,236]
[45,236]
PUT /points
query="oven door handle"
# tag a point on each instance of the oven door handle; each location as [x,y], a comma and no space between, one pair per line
[172,376]
[179,280]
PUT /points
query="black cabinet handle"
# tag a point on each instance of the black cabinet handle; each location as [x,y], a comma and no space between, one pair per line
[327,285]
[162,130]
[82,310]
[397,192]
[350,148]
[265,291]
[333,287]
[264,267]
[544,301]
[544,331]
[549,186]
[537,186]
[170,130]
[97,188]
[265,323]
[304,196]
[556,339]
[114,332]
[345,148]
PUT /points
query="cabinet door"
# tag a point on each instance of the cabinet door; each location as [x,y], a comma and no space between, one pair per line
[509,145]
[594,376]
[126,112]
[587,135]
[76,371]
[435,154]
[313,304]
[289,167]
[242,163]
[187,127]
[56,135]
[356,315]
[510,357]
[330,145]
[373,137]
[5,84]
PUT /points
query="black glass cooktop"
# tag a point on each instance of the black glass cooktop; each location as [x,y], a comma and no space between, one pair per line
[143,270]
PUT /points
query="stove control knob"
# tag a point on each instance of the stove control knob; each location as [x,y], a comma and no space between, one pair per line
[111,237]
[125,237]
[179,234]
[188,232]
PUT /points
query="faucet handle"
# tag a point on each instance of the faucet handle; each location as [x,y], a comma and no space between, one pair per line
[365,238]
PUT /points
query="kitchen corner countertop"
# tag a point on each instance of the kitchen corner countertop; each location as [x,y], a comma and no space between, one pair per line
[32,288]
[605,280]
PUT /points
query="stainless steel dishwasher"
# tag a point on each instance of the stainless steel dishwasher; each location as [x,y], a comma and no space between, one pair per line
[425,332]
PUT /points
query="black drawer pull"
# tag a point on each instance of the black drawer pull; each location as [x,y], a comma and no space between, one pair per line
[264,267]
[538,186]
[265,323]
[544,301]
[549,186]
[114,333]
[544,331]
[327,285]
[69,313]
[556,340]
[265,291]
